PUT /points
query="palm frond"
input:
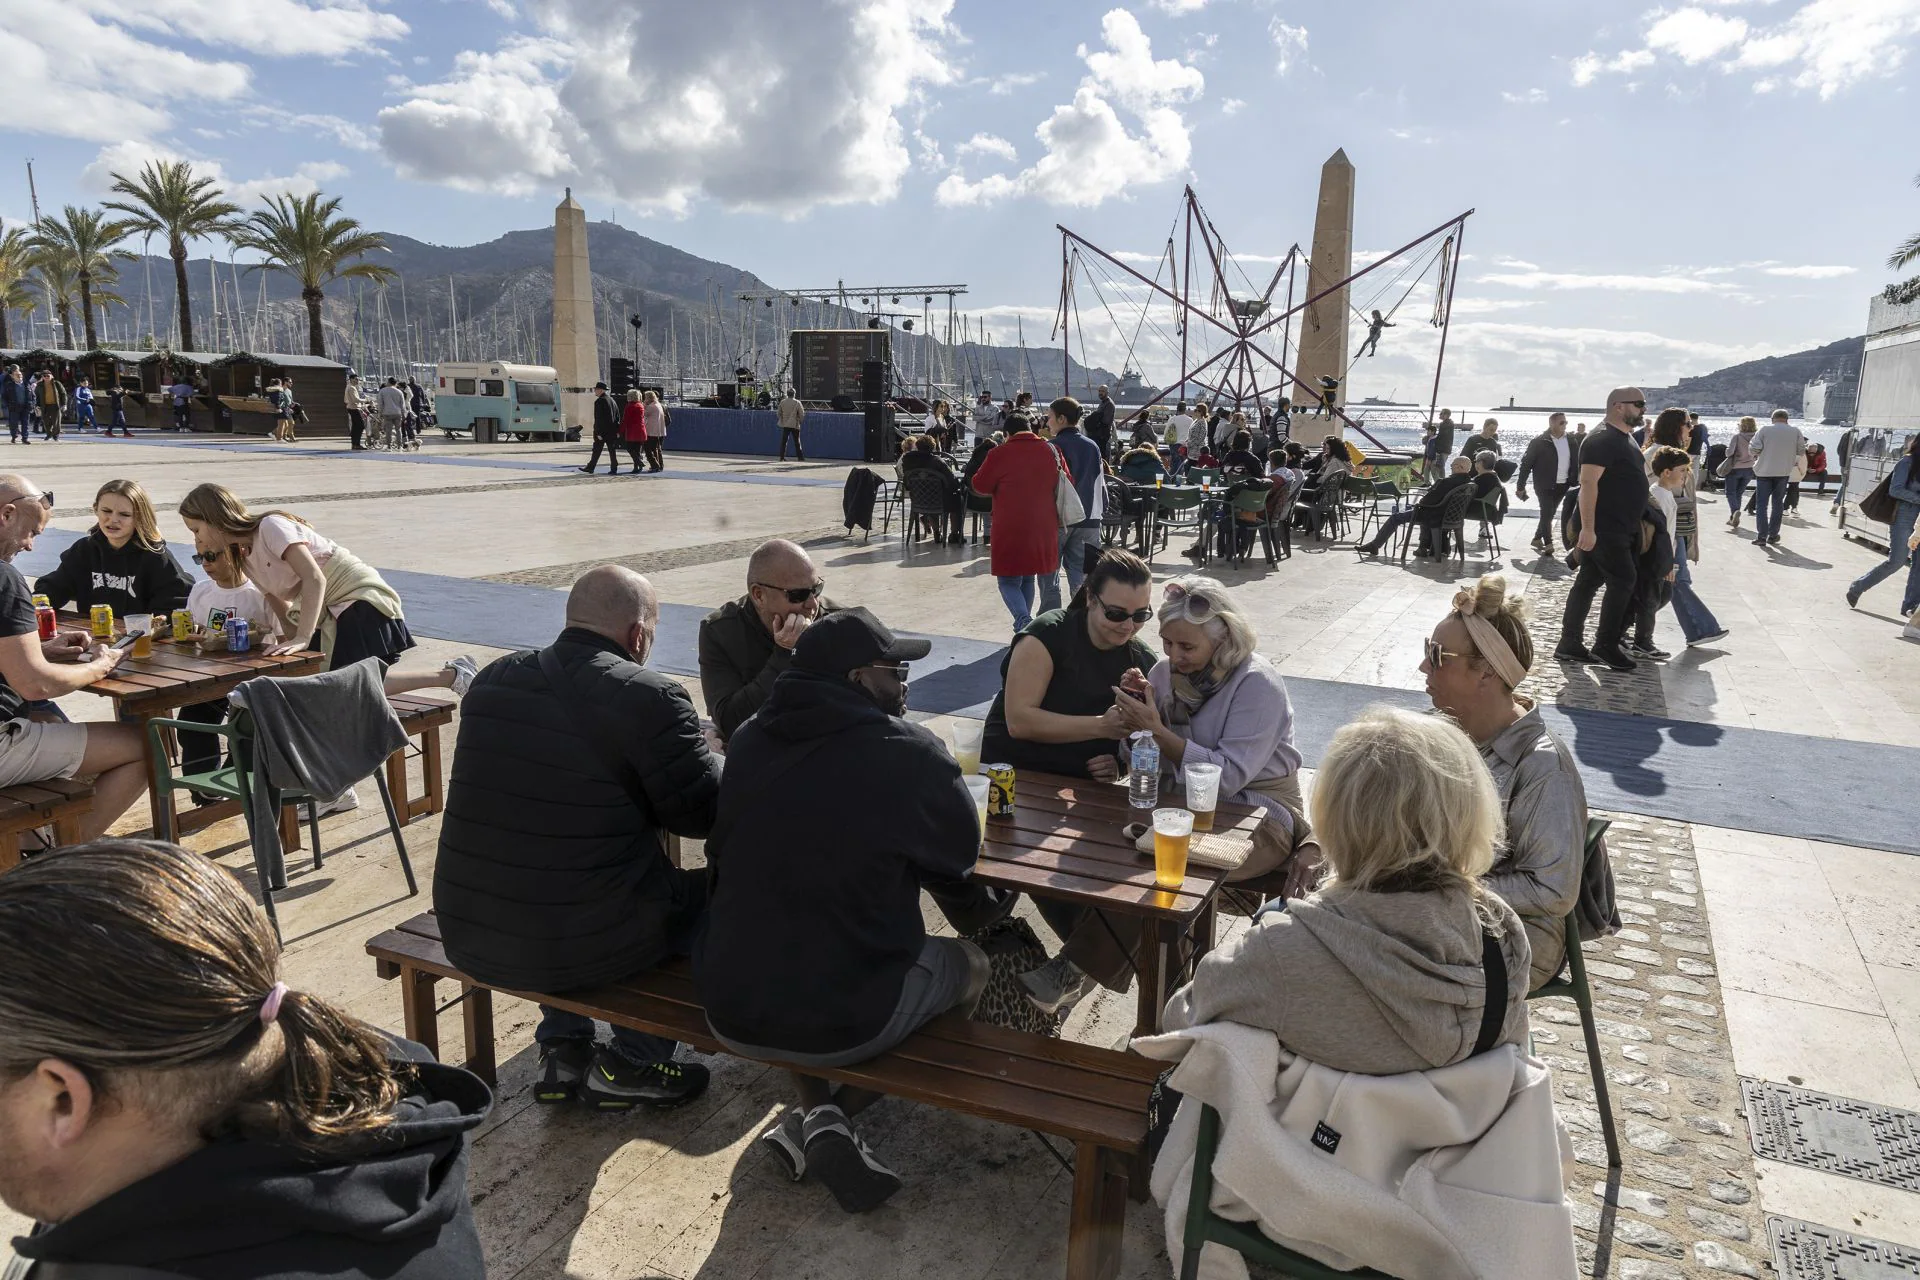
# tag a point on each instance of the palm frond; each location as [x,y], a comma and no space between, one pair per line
[1906,255]
[167,199]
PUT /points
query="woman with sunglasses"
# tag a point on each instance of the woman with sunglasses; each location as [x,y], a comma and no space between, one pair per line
[122,562]
[1055,714]
[1475,658]
[1213,700]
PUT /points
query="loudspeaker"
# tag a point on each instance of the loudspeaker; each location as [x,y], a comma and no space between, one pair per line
[873,381]
[879,434]
[726,393]
[620,376]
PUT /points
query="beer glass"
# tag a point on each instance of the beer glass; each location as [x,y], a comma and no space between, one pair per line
[977,787]
[141,624]
[1172,832]
[965,736]
[1203,793]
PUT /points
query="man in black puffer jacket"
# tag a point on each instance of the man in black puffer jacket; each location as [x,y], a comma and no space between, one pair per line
[570,763]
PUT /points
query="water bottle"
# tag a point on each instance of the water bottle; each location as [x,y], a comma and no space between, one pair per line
[1143,778]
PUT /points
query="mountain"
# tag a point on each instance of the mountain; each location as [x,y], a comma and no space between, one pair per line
[1772,380]
[494,301]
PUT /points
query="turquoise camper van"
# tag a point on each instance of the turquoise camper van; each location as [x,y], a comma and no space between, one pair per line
[497,401]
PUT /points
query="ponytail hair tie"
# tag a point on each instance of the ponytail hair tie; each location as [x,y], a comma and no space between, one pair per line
[270,1007]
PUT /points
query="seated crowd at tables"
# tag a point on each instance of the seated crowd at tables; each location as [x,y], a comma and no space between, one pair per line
[1400,913]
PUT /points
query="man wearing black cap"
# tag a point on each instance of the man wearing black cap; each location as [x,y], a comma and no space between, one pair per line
[606,432]
[834,813]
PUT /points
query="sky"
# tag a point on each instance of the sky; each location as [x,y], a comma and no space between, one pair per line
[1656,191]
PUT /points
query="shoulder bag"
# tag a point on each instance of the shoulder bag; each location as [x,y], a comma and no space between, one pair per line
[1066,498]
[1879,504]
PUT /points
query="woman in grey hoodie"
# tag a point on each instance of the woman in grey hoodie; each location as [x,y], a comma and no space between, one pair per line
[1380,970]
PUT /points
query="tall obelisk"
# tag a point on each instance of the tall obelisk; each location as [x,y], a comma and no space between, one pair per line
[1323,326]
[576,351]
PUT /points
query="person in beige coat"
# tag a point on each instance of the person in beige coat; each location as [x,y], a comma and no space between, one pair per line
[1476,656]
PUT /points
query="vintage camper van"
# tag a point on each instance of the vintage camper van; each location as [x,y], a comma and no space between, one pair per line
[498,401]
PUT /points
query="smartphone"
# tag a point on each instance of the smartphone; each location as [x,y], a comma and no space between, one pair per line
[129,640]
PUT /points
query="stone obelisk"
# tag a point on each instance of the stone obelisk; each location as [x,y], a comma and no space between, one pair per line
[1323,324]
[576,352]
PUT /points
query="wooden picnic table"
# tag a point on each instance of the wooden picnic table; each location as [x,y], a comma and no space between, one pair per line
[1063,841]
[179,675]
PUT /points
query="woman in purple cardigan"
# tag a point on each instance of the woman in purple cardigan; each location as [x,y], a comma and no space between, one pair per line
[1215,701]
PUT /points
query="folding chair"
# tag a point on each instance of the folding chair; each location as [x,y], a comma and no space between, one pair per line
[1574,986]
[234,781]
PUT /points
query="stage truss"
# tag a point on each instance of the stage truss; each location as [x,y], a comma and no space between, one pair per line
[1223,323]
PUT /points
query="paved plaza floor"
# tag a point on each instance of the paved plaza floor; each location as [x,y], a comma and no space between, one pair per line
[1758,787]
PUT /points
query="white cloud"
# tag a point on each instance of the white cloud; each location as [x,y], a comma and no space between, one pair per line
[987,144]
[1694,35]
[1812,272]
[1824,46]
[1517,264]
[1616,283]
[1004,85]
[645,102]
[128,158]
[303,181]
[1289,45]
[274,28]
[1528,97]
[1232,106]
[1090,153]
[1589,66]
[1178,7]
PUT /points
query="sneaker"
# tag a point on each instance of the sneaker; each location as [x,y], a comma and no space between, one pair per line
[1575,653]
[787,1141]
[1760,541]
[1057,985]
[1615,659]
[1853,597]
[346,802]
[1651,653]
[562,1065]
[838,1157]
[463,673]
[614,1084]
[1708,639]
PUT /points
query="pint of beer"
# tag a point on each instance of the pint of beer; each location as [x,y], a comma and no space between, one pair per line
[1172,833]
[1203,793]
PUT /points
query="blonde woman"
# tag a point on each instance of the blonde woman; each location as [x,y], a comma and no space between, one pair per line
[122,562]
[1737,470]
[1475,658]
[1382,970]
[656,422]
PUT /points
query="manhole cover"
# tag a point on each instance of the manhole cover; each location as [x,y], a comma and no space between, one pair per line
[1835,1135]
[1809,1251]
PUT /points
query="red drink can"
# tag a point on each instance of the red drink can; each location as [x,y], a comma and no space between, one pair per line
[49,621]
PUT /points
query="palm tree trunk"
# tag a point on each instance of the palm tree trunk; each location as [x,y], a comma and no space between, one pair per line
[66,324]
[178,250]
[316,337]
[6,339]
[86,309]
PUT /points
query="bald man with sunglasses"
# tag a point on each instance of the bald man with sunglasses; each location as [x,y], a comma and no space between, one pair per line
[745,644]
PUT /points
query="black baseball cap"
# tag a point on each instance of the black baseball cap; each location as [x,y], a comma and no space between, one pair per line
[848,639]
[599,386]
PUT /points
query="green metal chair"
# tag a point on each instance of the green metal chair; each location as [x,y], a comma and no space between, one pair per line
[1574,986]
[234,781]
[1194,475]
[1244,1238]
[1174,509]
[1240,535]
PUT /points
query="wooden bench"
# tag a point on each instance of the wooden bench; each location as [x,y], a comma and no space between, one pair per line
[58,802]
[422,718]
[1093,1097]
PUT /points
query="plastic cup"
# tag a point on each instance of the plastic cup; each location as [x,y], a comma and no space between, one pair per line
[141,624]
[1172,833]
[965,736]
[978,786]
[1203,793]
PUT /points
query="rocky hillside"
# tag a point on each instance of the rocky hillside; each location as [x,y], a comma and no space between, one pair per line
[1775,379]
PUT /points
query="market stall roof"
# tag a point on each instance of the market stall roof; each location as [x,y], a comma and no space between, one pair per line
[279,361]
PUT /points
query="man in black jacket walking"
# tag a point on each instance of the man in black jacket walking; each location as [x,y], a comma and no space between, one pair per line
[1550,461]
[1099,425]
[571,763]
[835,813]
[606,431]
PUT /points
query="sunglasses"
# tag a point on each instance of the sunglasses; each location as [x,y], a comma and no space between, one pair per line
[899,669]
[207,557]
[1198,607]
[44,499]
[1638,404]
[795,595]
[1139,617]
[1437,656]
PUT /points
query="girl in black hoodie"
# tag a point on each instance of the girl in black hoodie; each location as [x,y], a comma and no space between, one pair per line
[121,562]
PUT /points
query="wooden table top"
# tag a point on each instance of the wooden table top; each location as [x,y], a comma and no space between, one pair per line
[178,667]
[1064,841]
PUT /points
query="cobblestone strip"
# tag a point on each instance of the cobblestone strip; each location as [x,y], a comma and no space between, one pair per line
[367,495]
[1684,1205]
[562,575]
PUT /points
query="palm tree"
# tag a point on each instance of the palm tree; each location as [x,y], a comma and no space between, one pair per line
[56,274]
[301,236]
[1905,256]
[16,267]
[85,242]
[167,200]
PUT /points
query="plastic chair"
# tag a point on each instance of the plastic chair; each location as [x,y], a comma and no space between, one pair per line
[1209,474]
[1240,536]
[1382,491]
[1574,986]
[927,500]
[234,781]
[1116,514]
[1175,509]
[1453,524]
[1489,517]
[1244,1238]
[1278,533]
